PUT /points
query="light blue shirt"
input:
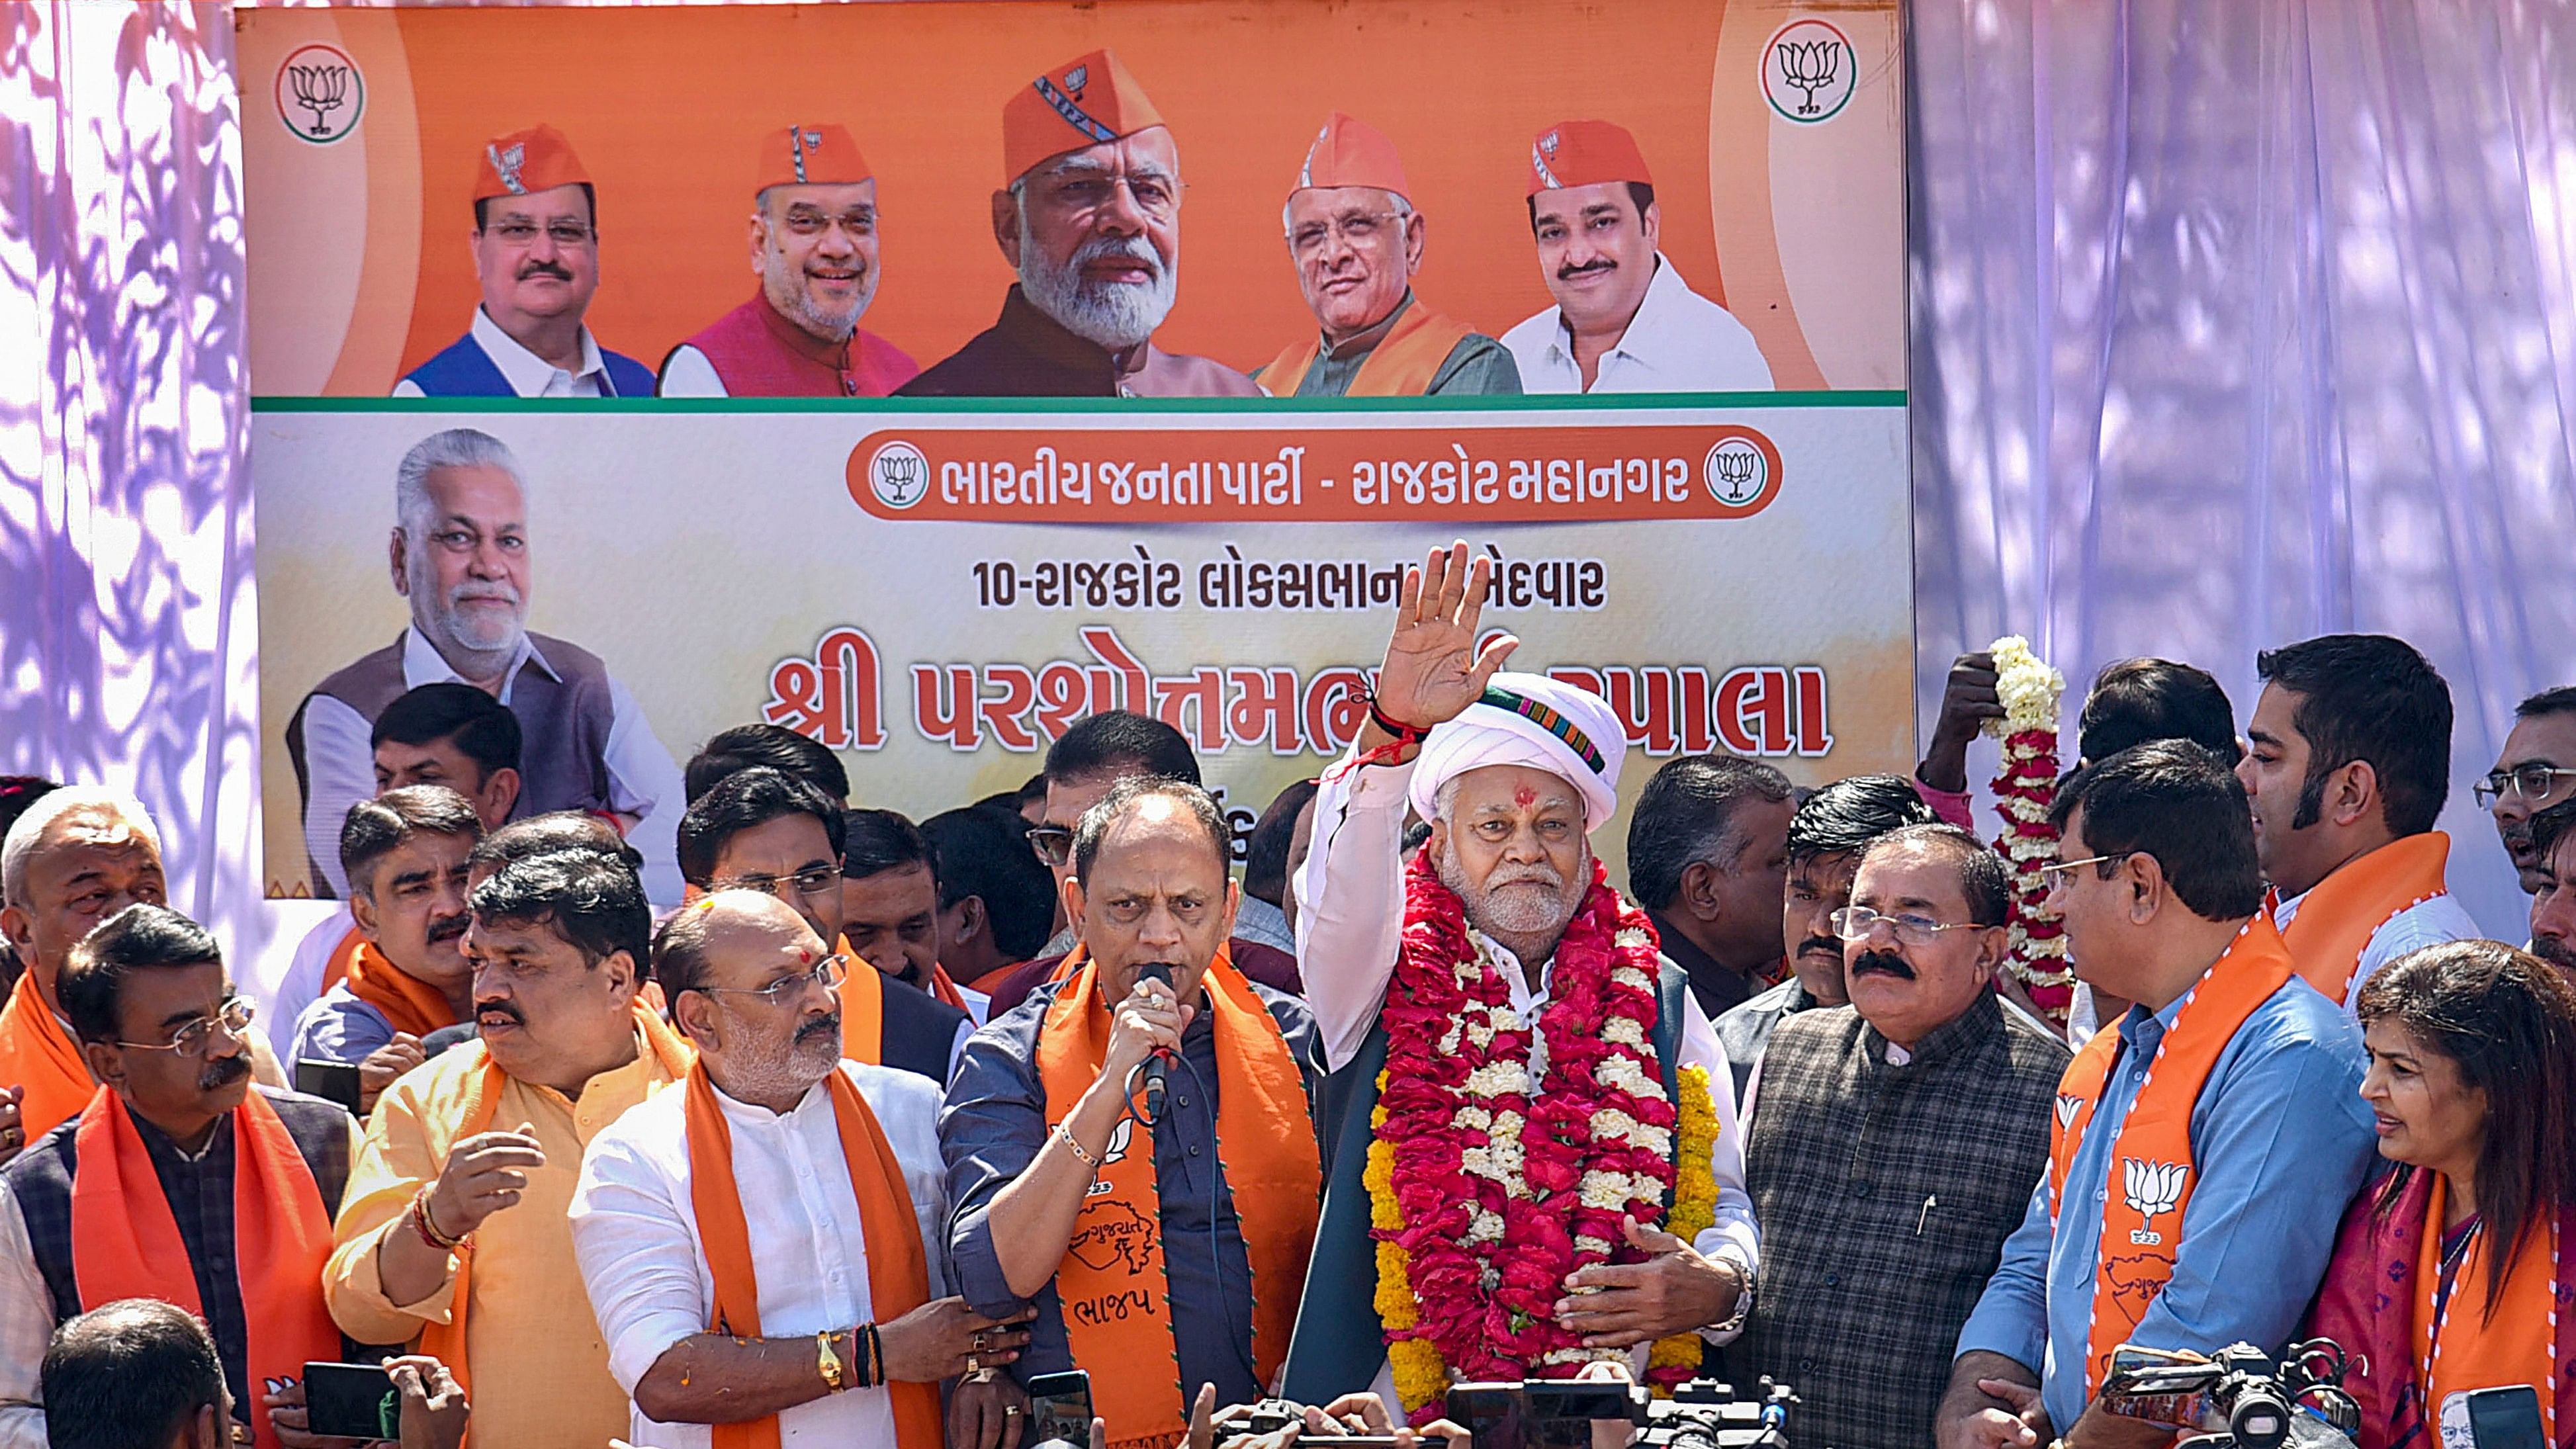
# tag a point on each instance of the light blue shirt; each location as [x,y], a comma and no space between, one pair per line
[339,1027]
[2280,1141]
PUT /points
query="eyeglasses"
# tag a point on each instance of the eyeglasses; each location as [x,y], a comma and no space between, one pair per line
[2534,783]
[813,881]
[1855,923]
[2055,872]
[561,233]
[1053,844]
[1358,229]
[193,1039]
[783,990]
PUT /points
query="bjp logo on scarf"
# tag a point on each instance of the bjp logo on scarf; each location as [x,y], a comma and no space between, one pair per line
[2151,1188]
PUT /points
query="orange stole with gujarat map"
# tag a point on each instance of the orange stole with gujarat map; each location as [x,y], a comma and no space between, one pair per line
[2151,1163]
[1116,1300]
[1401,365]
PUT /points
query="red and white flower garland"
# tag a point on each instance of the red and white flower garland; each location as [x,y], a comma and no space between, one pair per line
[1500,1190]
[2030,690]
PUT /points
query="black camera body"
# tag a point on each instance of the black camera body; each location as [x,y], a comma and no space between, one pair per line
[1710,1414]
[2299,1402]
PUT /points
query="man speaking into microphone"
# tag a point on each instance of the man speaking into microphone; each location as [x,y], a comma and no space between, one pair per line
[1164,1252]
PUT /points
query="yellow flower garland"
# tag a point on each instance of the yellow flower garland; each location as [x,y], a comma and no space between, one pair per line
[1421,1375]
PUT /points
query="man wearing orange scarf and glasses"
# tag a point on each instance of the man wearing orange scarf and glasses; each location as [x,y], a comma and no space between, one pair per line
[180,1180]
[453,1236]
[1163,1243]
[760,1243]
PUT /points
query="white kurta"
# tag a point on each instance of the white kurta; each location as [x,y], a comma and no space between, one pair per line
[636,1235]
[1350,929]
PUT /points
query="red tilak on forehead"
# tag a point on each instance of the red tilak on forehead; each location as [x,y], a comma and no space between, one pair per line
[1524,796]
[804,956]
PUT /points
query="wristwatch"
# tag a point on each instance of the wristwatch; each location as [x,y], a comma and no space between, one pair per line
[1734,1322]
[828,1361]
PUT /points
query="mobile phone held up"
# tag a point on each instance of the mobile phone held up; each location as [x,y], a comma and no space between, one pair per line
[1060,1409]
[351,1401]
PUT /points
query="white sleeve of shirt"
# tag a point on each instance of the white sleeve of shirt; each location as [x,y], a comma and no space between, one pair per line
[1732,1235]
[2428,923]
[1350,902]
[689,374]
[644,781]
[634,1237]
[26,1327]
[407,388]
[340,770]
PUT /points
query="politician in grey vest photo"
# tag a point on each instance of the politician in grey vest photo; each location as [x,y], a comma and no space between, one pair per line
[460,556]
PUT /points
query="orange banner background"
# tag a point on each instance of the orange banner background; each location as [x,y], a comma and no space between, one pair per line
[665,105]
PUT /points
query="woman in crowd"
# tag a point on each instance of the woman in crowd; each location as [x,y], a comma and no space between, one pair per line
[2448,1266]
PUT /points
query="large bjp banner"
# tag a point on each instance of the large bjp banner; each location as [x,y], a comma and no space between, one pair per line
[1698,508]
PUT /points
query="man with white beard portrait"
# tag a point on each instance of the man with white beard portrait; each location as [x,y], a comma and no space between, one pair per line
[814,249]
[460,556]
[1091,219]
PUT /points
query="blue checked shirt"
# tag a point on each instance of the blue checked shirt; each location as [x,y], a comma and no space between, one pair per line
[2280,1141]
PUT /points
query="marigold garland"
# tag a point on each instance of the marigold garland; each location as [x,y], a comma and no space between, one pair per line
[1420,1376]
[1676,1359]
[2023,786]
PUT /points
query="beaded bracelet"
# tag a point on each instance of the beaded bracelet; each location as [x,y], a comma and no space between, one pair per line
[428,1230]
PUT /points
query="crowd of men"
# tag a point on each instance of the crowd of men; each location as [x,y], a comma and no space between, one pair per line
[1088,214]
[890,1117]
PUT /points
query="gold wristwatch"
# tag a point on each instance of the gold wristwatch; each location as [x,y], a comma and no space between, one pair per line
[829,1362]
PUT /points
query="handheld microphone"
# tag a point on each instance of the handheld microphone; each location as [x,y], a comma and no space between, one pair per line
[1157,1064]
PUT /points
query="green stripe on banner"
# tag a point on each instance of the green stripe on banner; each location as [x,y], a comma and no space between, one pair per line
[1248,407]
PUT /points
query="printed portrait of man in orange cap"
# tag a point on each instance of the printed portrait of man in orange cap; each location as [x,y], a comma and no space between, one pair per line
[536,252]
[1090,216]
[1624,320]
[1356,241]
[814,249]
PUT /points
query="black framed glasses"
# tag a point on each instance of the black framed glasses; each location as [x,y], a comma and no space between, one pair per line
[1053,844]
[813,881]
[233,1018]
[826,974]
[2533,782]
[1855,923]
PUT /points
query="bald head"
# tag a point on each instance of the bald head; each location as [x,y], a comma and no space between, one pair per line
[740,970]
[77,857]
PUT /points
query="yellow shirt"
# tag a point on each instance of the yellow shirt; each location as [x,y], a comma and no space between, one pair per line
[537,1361]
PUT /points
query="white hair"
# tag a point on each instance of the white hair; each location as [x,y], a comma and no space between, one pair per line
[1394,199]
[454,448]
[49,810]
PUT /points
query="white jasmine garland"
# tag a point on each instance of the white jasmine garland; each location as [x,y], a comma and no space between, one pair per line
[2027,687]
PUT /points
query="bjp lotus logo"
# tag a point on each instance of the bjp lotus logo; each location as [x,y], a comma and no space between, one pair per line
[2067,1107]
[2151,1188]
[325,85]
[1120,1138]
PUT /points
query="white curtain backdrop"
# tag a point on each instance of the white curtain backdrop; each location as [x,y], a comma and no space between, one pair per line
[2235,321]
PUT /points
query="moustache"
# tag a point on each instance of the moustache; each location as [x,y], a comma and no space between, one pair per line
[449,928]
[1507,875]
[2556,951]
[1121,248]
[1570,272]
[1883,962]
[555,270]
[468,593]
[223,1073]
[1820,946]
[820,1028]
[501,1008]
[2516,835]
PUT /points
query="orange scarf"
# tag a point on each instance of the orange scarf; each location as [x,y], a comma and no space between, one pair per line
[1116,1299]
[1402,364]
[468,1100]
[862,996]
[2337,919]
[40,1057]
[944,986]
[411,1004]
[898,1269]
[2152,1170]
[125,1243]
[2464,1347]
[343,956]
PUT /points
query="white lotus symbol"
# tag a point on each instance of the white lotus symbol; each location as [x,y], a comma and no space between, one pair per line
[2152,1187]
[2067,1107]
[1118,1137]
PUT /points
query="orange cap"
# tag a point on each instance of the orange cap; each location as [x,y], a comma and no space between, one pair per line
[536,159]
[1585,153]
[1350,152]
[809,156]
[1084,102]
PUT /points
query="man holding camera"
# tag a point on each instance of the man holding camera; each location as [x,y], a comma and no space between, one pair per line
[1148,1225]
[2203,1147]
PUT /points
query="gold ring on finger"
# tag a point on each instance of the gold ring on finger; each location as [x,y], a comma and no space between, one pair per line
[973,1364]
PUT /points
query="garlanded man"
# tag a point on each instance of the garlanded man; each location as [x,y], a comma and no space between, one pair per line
[404,853]
[1185,1242]
[1708,854]
[1090,217]
[890,905]
[1826,837]
[755,1241]
[78,856]
[1624,320]
[459,553]
[760,830]
[1894,1144]
[2203,1148]
[536,253]
[2349,763]
[1356,242]
[179,1180]
[2535,770]
[439,734]
[1523,1089]
[814,249]
[453,1237]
